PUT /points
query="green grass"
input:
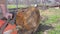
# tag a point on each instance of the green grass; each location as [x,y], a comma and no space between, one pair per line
[40,32]
[53,20]
[56,30]
[14,6]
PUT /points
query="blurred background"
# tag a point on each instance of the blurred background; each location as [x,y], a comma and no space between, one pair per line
[49,11]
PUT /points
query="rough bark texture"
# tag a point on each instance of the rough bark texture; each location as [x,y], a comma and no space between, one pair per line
[28,19]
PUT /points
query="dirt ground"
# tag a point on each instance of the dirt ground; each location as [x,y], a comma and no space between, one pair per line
[44,27]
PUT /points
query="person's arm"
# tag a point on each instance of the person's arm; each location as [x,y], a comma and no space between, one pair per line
[5,12]
[3,9]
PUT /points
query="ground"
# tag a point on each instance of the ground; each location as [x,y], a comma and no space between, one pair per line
[50,23]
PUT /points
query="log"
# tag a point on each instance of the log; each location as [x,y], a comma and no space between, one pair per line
[28,19]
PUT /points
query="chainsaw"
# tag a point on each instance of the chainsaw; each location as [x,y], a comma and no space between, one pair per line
[8,26]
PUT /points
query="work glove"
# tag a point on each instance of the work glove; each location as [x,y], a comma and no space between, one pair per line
[7,15]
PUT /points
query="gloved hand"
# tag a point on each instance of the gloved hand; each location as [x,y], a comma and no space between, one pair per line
[7,15]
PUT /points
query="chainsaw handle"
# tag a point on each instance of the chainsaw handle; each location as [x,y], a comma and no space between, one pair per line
[4,26]
[9,17]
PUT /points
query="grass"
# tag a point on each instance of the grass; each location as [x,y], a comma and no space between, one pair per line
[40,32]
[53,19]
[56,30]
[15,6]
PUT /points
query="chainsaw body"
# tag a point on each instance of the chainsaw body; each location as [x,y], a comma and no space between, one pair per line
[9,29]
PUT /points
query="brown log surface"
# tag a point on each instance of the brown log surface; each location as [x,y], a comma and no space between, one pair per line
[28,18]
